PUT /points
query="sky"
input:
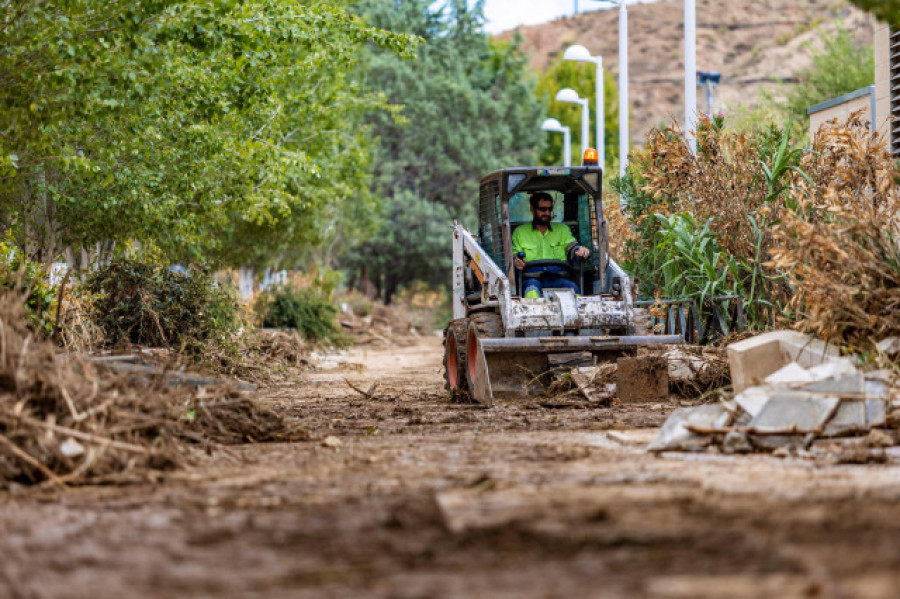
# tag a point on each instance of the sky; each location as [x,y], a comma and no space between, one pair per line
[508,14]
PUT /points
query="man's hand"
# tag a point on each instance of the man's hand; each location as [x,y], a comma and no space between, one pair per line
[518,263]
[582,252]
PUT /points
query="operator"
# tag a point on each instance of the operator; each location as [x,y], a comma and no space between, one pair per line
[546,240]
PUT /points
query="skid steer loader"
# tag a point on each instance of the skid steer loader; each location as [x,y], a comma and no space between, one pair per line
[500,342]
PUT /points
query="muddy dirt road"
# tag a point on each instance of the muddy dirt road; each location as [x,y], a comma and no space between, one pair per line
[407,495]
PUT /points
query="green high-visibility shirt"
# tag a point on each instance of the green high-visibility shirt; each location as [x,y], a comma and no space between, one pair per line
[551,245]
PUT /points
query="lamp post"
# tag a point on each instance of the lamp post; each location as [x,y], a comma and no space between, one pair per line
[690,73]
[623,82]
[579,53]
[554,126]
[571,96]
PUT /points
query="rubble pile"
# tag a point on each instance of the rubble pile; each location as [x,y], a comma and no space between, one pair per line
[794,395]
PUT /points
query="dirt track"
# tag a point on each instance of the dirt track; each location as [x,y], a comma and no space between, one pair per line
[418,497]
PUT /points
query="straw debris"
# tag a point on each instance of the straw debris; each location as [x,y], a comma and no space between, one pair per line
[64,422]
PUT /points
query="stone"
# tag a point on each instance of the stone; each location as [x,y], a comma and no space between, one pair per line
[71,448]
[753,359]
[889,346]
[794,413]
[332,442]
[736,442]
[642,379]
[674,436]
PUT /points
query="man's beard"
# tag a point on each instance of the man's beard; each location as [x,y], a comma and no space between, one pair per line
[543,219]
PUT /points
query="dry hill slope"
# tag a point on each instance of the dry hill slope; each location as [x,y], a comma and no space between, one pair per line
[753,43]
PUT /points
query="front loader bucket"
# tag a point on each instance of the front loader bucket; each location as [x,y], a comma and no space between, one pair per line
[518,366]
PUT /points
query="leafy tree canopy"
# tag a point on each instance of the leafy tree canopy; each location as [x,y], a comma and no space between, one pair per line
[580,77]
[215,129]
[468,107]
[840,67]
[886,10]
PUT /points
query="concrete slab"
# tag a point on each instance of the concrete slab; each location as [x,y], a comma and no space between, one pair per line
[794,413]
[849,418]
[876,413]
[752,360]
[852,384]
[674,436]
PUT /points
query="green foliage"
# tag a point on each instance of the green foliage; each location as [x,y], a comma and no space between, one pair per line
[310,311]
[579,76]
[885,10]
[468,107]
[691,262]
[143,302]
[21,275]
[840,67]
[225,130]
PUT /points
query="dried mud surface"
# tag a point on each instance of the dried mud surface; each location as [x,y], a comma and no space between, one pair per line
[404,494]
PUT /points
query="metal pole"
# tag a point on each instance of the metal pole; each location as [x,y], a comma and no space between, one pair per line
[690,73]
[623,87]
[567,147]
[601,115]
[585,126]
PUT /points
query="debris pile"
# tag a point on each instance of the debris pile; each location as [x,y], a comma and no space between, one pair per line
[69,420]
[793,394]
[652,375]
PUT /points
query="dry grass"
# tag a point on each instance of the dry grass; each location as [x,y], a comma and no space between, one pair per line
[840,248]
[64,422]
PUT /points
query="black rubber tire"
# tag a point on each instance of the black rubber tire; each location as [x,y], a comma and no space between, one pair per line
[482,325]
[455,339]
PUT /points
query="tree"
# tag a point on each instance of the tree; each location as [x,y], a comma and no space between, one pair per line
[580,77]
[214,130]
[468,107]
[840,67]
[885,10]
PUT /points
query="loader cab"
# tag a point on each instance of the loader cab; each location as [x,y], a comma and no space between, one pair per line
[576,192]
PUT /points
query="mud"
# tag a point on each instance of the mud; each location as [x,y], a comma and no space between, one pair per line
[400,493]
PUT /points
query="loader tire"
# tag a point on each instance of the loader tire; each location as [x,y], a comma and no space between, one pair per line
[455,358]
[482,325]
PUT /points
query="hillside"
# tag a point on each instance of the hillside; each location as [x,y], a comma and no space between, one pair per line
[755,44]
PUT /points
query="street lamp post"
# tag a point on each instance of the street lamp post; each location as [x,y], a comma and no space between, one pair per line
[623,87]
[571,96]
[554,126]
[690,73]
[623,83]
[580,54]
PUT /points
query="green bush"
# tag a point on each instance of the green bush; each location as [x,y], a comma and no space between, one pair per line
[310,311]
[20,275]
[146,303]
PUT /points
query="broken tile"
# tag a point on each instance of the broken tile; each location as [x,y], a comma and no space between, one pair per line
[832,368]
[850,417]
[794,412]
[877,389]
[753,399]
[674,436]
[876,413]
[889,345]
[791,373]
[852,384]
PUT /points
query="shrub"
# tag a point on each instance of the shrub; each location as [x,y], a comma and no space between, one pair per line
[21,275]
[308,310]
[142,302]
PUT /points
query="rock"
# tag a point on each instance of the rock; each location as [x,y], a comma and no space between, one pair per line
[71,448]
[889,346]
[674,436]
[736,442]
[752,360]
[332,442]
